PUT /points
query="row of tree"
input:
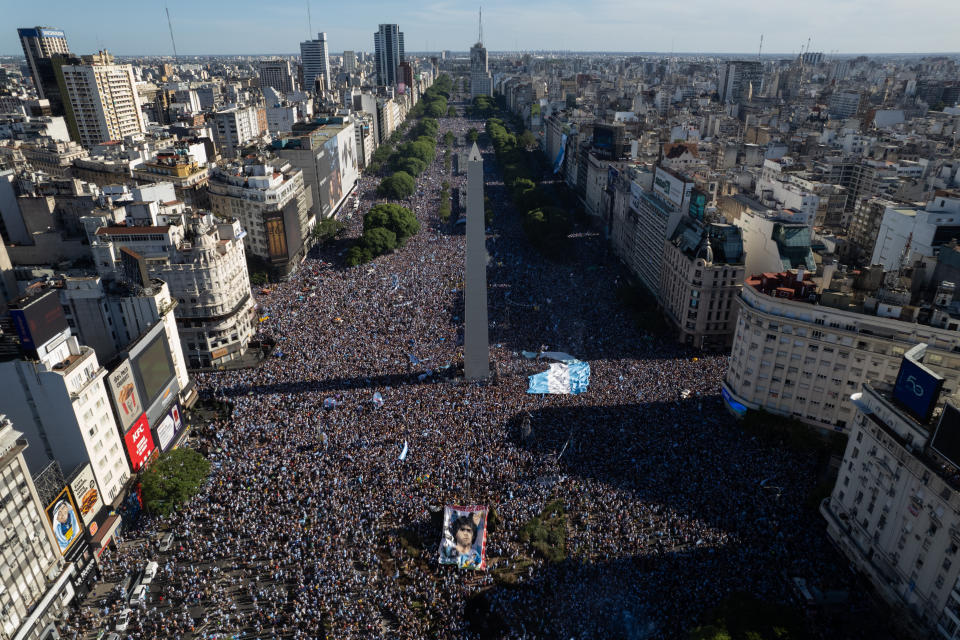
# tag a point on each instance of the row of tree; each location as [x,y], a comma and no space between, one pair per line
[546,224]
[386,227]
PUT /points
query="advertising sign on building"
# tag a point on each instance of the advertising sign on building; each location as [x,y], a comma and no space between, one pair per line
[139,443]
[125,394]
[63,520]
[87,495]
[671,188]
[169,428]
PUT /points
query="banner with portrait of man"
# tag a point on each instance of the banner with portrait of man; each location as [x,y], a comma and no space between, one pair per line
[464,537]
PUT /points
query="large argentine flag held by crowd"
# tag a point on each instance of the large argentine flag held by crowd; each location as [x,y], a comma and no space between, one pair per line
[567,376]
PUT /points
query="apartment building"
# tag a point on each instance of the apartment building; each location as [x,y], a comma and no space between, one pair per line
[270,199]
[101,100]
[33,572]
[237,127]
[203,262]
[55,392]
[701,279]
[894,510]
[795,355]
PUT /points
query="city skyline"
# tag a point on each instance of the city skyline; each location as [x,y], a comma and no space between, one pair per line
[609,25]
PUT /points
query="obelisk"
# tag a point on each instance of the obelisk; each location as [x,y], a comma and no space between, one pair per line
[476,339]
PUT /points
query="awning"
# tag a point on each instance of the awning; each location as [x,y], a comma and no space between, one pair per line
[102,538]
[189,395]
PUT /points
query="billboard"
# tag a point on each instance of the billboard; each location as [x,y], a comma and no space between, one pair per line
[946,439]
[84,488]
[63,520]
[563,149]
[125,396]
[276,238]
[38,320]
[154,368]
[917,388]
[671,188]
[464,537]
[139,443]
[169,427]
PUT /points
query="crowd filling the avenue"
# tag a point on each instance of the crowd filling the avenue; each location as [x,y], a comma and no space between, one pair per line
[311,525]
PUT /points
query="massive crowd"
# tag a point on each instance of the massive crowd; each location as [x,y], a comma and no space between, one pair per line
[310,522]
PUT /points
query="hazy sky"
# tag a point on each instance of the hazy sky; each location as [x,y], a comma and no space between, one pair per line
[130,27]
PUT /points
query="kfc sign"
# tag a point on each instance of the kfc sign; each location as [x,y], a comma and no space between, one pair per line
[139,442]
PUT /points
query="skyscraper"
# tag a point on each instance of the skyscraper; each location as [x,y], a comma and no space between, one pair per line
[740,81]
[349,62]
[40,44]
[388,52]
[100,99]
[277,74]
[481,83]
[316,62]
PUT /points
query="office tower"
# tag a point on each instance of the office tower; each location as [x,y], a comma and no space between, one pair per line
[27,545]
[277,74]
[481,83]
[101,99]
[316,62]
[740,81]
[349,62]
[40,44]
[388,53]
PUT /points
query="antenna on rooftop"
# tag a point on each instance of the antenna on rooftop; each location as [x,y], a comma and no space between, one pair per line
[761,48]
[309,22]
[170,26]
[481,26]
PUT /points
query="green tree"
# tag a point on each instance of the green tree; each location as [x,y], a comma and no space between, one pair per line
[327,229]
[378,241]
[452,112]
[173,479]
[357,255]
[448,138]
[473,135]
[411,165]
[400,220]
[527,140]
[397,187]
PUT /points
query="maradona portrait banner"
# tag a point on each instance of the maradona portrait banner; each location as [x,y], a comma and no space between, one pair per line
[464,537]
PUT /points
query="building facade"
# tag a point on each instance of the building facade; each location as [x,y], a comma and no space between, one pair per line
[277,74]
[794,357]
[237,127]
[40,44]
[388,54]
[103,100]
[481,82]
[315,58]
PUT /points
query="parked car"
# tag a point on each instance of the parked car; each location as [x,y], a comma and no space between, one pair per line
[123,619]
[149,572]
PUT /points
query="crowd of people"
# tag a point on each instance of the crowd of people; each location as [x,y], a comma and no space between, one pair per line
[311,525]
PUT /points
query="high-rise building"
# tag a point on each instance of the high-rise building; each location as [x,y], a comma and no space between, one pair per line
[101,99]
[349,62]
[481,82]
[277,74]
[316,62]
[740,81]
[40,44]
[27,546]
[236,127]
[388,53]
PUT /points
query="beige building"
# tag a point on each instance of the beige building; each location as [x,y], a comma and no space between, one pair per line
[270,199]
[102,100]
[796,357]
[895,512]
[700,281]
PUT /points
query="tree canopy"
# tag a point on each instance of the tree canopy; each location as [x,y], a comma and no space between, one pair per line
[173,479]
[398,186]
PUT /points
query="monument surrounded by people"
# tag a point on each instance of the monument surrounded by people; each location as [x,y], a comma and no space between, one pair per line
[476,345]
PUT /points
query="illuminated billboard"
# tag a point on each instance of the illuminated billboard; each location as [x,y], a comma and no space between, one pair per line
[126,398]
[946,439]
[139,443]
[84,488]
[917,388]
[464,541]
[63,520]
[38,319]
[169,427]
[154,368]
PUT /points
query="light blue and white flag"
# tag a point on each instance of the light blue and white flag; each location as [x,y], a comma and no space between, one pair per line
[571,377]
[403,454]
